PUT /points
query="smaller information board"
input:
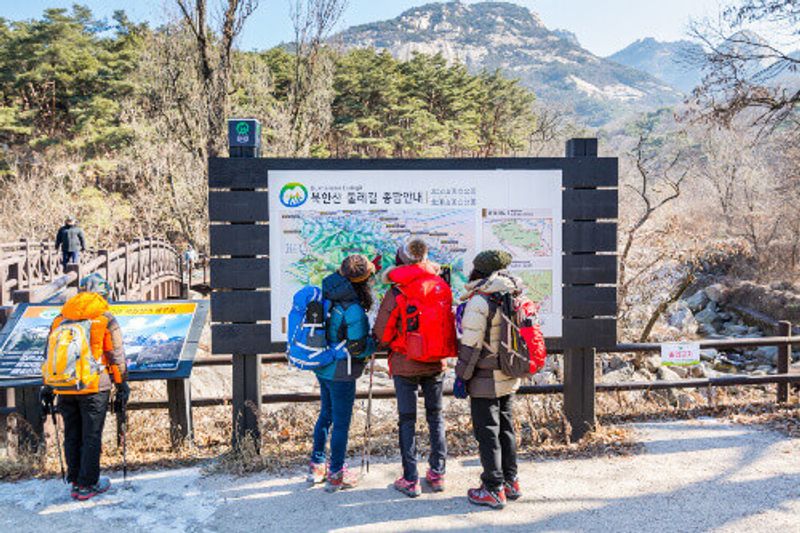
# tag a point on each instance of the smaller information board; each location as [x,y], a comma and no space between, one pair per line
[160,338]
[680,354]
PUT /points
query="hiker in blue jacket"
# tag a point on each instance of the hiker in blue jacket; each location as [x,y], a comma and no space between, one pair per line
[349,292]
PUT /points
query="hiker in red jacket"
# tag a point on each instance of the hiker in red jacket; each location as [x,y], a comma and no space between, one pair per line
[415,321]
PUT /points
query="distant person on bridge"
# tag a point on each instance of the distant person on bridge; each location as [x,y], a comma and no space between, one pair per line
[72,242]
[415,321]
[84,355]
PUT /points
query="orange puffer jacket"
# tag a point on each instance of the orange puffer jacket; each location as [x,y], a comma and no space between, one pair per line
[105,336]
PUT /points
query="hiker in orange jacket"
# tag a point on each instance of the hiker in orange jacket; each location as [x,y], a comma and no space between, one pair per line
[83,406]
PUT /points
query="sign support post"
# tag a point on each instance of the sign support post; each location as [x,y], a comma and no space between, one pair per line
[579,351]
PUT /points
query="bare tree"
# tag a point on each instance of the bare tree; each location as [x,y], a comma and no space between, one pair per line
[311,92]
[747,75]
[214,51]
[660,174]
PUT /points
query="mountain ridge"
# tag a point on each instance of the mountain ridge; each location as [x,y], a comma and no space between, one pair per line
[510,37]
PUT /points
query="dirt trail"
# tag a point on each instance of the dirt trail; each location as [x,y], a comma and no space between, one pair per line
[699,475]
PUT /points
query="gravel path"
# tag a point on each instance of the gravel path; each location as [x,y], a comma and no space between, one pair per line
[699,475]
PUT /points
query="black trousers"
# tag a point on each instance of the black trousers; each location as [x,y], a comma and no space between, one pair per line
[84,417]
[493,424]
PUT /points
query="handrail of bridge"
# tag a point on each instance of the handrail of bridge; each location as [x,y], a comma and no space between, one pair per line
[33,272]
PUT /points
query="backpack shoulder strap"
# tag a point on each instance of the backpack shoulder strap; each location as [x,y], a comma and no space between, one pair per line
[493,306]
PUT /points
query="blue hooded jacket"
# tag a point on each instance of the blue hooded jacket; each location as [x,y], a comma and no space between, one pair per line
[347,319]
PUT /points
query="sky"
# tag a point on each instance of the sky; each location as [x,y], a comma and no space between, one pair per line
[602,26]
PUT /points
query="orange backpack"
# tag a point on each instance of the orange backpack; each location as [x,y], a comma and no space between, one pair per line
[73,364]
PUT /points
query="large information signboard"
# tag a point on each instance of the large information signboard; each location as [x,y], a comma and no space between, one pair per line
[320,216]
[160,338]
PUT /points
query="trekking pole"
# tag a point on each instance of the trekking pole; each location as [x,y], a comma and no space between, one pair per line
[368,429]
[122,424]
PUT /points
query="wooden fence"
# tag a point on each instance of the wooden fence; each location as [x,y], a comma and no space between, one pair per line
[783,378]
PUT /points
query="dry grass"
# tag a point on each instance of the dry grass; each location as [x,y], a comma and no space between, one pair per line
[286,431]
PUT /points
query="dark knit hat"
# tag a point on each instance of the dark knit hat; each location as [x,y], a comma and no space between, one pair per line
[489,261]
[357,268]
[413,251]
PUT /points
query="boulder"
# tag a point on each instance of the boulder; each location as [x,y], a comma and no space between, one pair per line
[708,315]
[709,354]
[619,376]
[614,362]
[648,362]
[681,318]
[766,354]
[682,371]
[698,371]
[725,367]
[668,374]
[685,400]
[735,330]
[715,292]
[697,301]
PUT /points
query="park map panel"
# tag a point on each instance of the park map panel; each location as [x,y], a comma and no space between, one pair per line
[320,217]
[154,334]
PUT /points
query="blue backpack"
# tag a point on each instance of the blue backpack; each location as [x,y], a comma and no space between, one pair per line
[307,347]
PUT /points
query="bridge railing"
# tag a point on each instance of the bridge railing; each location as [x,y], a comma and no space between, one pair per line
[143,269]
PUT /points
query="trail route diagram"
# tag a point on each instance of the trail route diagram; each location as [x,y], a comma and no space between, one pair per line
[315,243]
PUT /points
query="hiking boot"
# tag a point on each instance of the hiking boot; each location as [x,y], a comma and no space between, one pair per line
[411,489]
[74,491]
[435,481]
[512,490]
[317,472]
[483,496]
[343,479]
[102,485]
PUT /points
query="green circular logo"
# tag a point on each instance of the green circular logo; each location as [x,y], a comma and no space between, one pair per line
[293,194]
[242,128]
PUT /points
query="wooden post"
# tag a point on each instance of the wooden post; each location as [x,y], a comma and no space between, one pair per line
[579,390]
[784,358]
[139,265]
[28,269]
[126,275]
[179,396]
[31,430]
[6,401]
[587,306]
[72,267]
[246,399]
[104,255]
[26,399]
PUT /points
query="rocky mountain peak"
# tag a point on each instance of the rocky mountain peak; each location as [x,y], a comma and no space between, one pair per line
[509,37]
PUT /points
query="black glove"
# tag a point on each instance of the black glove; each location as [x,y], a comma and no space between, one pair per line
[121,395]
[47,400]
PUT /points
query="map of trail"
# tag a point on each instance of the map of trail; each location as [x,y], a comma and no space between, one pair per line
[523,238]
[314,243]
[538,287]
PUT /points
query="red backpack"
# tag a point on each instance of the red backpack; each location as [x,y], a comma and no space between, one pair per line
[422,326]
